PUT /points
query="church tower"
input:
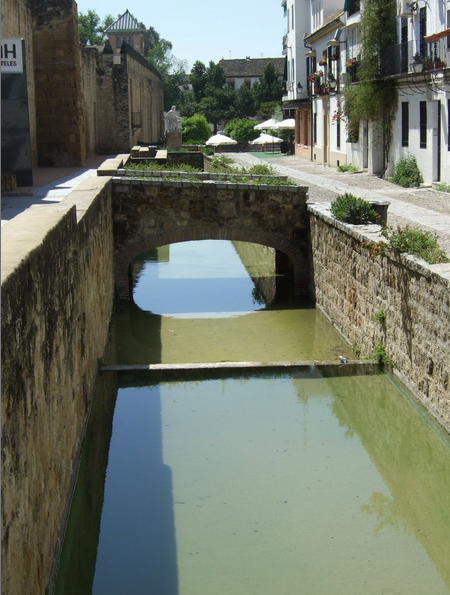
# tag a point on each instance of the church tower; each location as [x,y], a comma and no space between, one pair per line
[126,29]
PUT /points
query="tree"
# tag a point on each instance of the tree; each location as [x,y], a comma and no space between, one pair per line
[90,30]
[245,104]
[195,129]
[218,105]
[269,89]
[214,100]
[241,130]
[158,52]
[198,80]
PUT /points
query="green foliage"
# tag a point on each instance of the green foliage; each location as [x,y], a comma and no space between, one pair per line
[409,240]
[442,187]
[380,316]
[218,105]
[378,32]
[153,166]
[241,130]
[262,169]
[350,209]
[407,172]
[415,241]
[90,30]
[380,355]
[347,168]
[269,89]
[372,99]
[245,103]
[195,129]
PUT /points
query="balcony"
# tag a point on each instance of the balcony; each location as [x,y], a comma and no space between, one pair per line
[397,60]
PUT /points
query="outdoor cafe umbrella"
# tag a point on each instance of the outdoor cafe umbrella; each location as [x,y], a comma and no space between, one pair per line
[288,124]
[267,124]
[220,139]
[265,139]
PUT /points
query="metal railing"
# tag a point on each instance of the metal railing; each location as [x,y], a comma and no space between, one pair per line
[398,59]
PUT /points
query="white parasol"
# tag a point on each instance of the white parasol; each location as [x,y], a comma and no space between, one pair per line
[288,124]
[220,139]
[267,124]
[263,139]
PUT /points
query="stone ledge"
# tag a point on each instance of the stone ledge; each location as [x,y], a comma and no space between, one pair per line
[371,232]
[110,166]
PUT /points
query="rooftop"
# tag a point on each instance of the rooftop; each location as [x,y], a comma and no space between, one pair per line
[126,23]
[250,67]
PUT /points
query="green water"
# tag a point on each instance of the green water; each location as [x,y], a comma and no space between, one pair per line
[294,483]
[195,302]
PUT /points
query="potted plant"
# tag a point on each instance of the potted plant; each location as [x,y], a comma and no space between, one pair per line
[323,61]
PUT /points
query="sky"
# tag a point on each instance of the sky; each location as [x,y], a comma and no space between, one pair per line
[206,30]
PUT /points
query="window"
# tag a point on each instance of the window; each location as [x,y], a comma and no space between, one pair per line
[404,45]
[423,31]
[338,134]
[405,124]
[130,40]
[288,20]
[292,16]
[118,42]
[315,129]
[423,124]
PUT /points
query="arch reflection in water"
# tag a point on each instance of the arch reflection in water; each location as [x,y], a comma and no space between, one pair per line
[212,301]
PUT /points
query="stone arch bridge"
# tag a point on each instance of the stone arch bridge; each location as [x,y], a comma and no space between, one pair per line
[152,213]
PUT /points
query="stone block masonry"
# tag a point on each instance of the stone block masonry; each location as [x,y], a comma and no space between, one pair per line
[152,213]
[350,287]
[57,294]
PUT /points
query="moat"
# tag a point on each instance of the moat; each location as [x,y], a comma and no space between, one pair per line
[280,482]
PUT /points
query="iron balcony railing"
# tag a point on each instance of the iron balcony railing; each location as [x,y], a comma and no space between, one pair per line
[398,59]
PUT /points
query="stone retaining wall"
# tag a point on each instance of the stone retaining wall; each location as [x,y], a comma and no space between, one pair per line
[57,293]
[350,287]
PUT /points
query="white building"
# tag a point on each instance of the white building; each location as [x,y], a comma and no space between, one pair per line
[322,44]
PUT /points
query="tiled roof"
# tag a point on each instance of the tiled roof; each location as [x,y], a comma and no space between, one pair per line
[125,23]
[249,67]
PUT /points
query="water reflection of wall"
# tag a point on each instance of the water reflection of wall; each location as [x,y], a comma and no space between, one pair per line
[79,553]
[410,454]
[259,262]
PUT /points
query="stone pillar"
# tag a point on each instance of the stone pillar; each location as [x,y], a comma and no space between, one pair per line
[173,140]
[57,60]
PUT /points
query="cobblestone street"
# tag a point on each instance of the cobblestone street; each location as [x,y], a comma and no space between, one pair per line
[424,207]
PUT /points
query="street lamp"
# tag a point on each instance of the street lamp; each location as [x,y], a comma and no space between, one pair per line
[417,64]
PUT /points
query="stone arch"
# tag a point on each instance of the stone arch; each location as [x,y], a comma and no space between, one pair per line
[124,259]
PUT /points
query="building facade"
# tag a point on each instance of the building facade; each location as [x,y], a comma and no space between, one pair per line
[326,53]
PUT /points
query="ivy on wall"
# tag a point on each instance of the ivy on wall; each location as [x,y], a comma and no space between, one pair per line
[372,99]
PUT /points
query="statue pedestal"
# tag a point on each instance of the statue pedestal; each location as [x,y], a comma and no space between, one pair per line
[173,140]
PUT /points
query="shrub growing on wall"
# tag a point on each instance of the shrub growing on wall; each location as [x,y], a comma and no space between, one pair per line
[350,209]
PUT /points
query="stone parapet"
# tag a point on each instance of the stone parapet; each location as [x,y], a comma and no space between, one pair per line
[57,294]
[350,287]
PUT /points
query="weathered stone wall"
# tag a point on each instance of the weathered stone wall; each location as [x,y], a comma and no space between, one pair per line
[57,67]
[152,213]
[17,21]
[57,293]
[350,287]
[89,63]
[128,84]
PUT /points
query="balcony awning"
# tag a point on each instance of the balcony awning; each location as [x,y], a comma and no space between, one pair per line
[437,36]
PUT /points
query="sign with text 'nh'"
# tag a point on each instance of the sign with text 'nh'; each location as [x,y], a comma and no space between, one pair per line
[11,56]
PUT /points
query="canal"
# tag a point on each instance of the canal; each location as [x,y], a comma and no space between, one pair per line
[317,480]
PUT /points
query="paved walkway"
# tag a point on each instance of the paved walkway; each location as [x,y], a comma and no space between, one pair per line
[51,185]
[424,207]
